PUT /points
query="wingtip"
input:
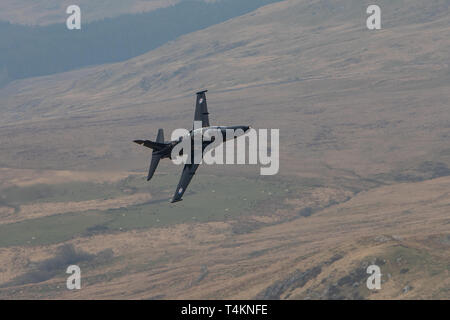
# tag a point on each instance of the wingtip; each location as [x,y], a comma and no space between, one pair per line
[175,200]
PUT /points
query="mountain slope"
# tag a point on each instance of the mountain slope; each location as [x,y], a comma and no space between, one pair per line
[30,51]
[44,12]
[372,102]
[365,156]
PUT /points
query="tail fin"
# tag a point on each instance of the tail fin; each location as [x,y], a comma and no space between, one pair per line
[153,164]
[157,146]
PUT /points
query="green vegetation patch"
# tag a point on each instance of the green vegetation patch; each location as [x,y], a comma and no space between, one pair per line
[208,198]
[73,191]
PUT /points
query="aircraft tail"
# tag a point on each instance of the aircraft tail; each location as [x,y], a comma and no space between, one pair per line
[157,146]
[160,137]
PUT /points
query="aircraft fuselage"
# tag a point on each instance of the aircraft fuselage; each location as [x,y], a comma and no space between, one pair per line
[207,135]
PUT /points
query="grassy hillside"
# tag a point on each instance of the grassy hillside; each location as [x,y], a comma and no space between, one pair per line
[235,250]
[345,98]
[364,150]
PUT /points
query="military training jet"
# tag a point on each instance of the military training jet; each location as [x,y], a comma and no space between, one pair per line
[163,149]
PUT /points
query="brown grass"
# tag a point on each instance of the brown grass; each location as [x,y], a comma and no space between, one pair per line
[39,210]
[168,261]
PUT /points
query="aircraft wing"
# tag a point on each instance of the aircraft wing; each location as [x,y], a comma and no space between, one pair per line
[186,177]
[201,114]
[201,109]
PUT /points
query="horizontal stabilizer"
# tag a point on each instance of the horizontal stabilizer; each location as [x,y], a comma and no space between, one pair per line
[152,145]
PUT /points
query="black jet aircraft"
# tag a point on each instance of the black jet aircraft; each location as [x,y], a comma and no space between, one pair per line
[163,149]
